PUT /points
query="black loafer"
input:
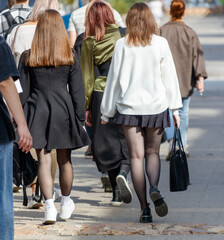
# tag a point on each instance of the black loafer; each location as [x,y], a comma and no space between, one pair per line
[146,216]
[161,207]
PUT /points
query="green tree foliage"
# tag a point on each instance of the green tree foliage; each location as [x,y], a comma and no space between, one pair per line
[122,6]
[67,1]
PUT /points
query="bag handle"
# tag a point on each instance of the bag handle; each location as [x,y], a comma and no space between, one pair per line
[177,140]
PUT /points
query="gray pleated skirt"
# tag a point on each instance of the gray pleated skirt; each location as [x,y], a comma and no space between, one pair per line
[160,120]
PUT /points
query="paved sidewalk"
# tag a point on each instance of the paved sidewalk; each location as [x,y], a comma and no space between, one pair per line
[197,213]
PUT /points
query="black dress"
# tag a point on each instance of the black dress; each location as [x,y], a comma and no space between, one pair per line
[53,100]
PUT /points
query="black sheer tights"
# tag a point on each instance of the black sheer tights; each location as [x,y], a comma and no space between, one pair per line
[65,172]
[144,143]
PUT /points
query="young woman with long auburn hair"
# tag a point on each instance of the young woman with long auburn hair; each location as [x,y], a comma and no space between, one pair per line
[141,85]
[109,146]
[54,106]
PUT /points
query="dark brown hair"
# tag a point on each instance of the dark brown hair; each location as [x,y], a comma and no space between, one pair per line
[177,8]
[141,25]
[50,46]
[98,15]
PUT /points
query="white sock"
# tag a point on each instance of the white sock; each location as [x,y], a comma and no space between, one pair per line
[65,200]
[49,203]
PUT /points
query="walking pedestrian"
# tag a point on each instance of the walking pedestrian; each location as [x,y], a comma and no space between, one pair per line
[54,107]
[19,40]
[141,85]
[8,73]
[77,22]
[189,62]
[109,146]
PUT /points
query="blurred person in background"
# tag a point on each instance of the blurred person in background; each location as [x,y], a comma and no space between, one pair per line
[190,65]
[10,3]
[18,13]
[157,8]
[77,22]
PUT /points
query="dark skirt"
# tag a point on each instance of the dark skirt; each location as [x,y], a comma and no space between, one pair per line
[108,142]
[160,120]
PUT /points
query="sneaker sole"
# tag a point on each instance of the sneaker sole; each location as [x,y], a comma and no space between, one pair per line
[116,204]
[36,206]
[49,222]
[125,191]
[67,217]
[161,207]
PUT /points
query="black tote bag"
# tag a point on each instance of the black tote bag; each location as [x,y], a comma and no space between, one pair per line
[179,173]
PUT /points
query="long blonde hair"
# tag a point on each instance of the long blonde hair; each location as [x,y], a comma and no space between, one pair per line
[141,25]
[50,46]
[40,6]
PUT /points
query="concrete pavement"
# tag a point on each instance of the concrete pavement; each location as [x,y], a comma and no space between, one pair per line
[197,213]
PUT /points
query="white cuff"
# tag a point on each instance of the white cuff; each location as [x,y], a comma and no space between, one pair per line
[175,112]
[104,118]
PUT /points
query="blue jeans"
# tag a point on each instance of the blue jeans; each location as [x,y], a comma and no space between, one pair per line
[6,195]
[184,122]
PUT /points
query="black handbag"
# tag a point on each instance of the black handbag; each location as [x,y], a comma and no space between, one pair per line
[25,169]
[179,173]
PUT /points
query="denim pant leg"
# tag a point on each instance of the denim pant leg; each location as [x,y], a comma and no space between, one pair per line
[170,130]
[184,119]
[6,194]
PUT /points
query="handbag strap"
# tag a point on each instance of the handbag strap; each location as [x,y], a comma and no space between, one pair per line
[176,140]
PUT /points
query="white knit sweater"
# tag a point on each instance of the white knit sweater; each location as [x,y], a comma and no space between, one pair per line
[141,80]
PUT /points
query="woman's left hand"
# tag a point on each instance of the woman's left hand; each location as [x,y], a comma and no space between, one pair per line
[200,84]
[103,122]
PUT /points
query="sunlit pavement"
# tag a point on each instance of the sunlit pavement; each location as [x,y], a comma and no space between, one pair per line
[197,213]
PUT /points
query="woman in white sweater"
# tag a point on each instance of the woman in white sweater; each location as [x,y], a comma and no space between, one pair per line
[141,86]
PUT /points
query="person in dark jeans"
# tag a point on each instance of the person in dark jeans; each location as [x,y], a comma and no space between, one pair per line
[8,73]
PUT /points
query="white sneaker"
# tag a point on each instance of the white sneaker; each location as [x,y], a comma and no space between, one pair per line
[55,194]
[16,189]
[34,203]
[67,210]
[50,216]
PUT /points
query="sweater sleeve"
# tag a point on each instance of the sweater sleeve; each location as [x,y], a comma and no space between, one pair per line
[169,79]
[87,67]
[76,90]
[112,89]
[198,59]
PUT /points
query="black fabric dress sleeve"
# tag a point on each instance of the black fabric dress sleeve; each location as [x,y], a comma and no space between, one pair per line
[76,90]
[24,78]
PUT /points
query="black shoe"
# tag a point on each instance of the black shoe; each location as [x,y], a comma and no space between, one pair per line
[116,200]
[161,207]
[89,152]
[106,183]
[146,216]
[126,194]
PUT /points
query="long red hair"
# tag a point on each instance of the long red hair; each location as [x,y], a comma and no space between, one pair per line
[98,15]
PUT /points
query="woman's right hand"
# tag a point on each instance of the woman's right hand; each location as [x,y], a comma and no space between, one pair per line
[176,119]
[88,120]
